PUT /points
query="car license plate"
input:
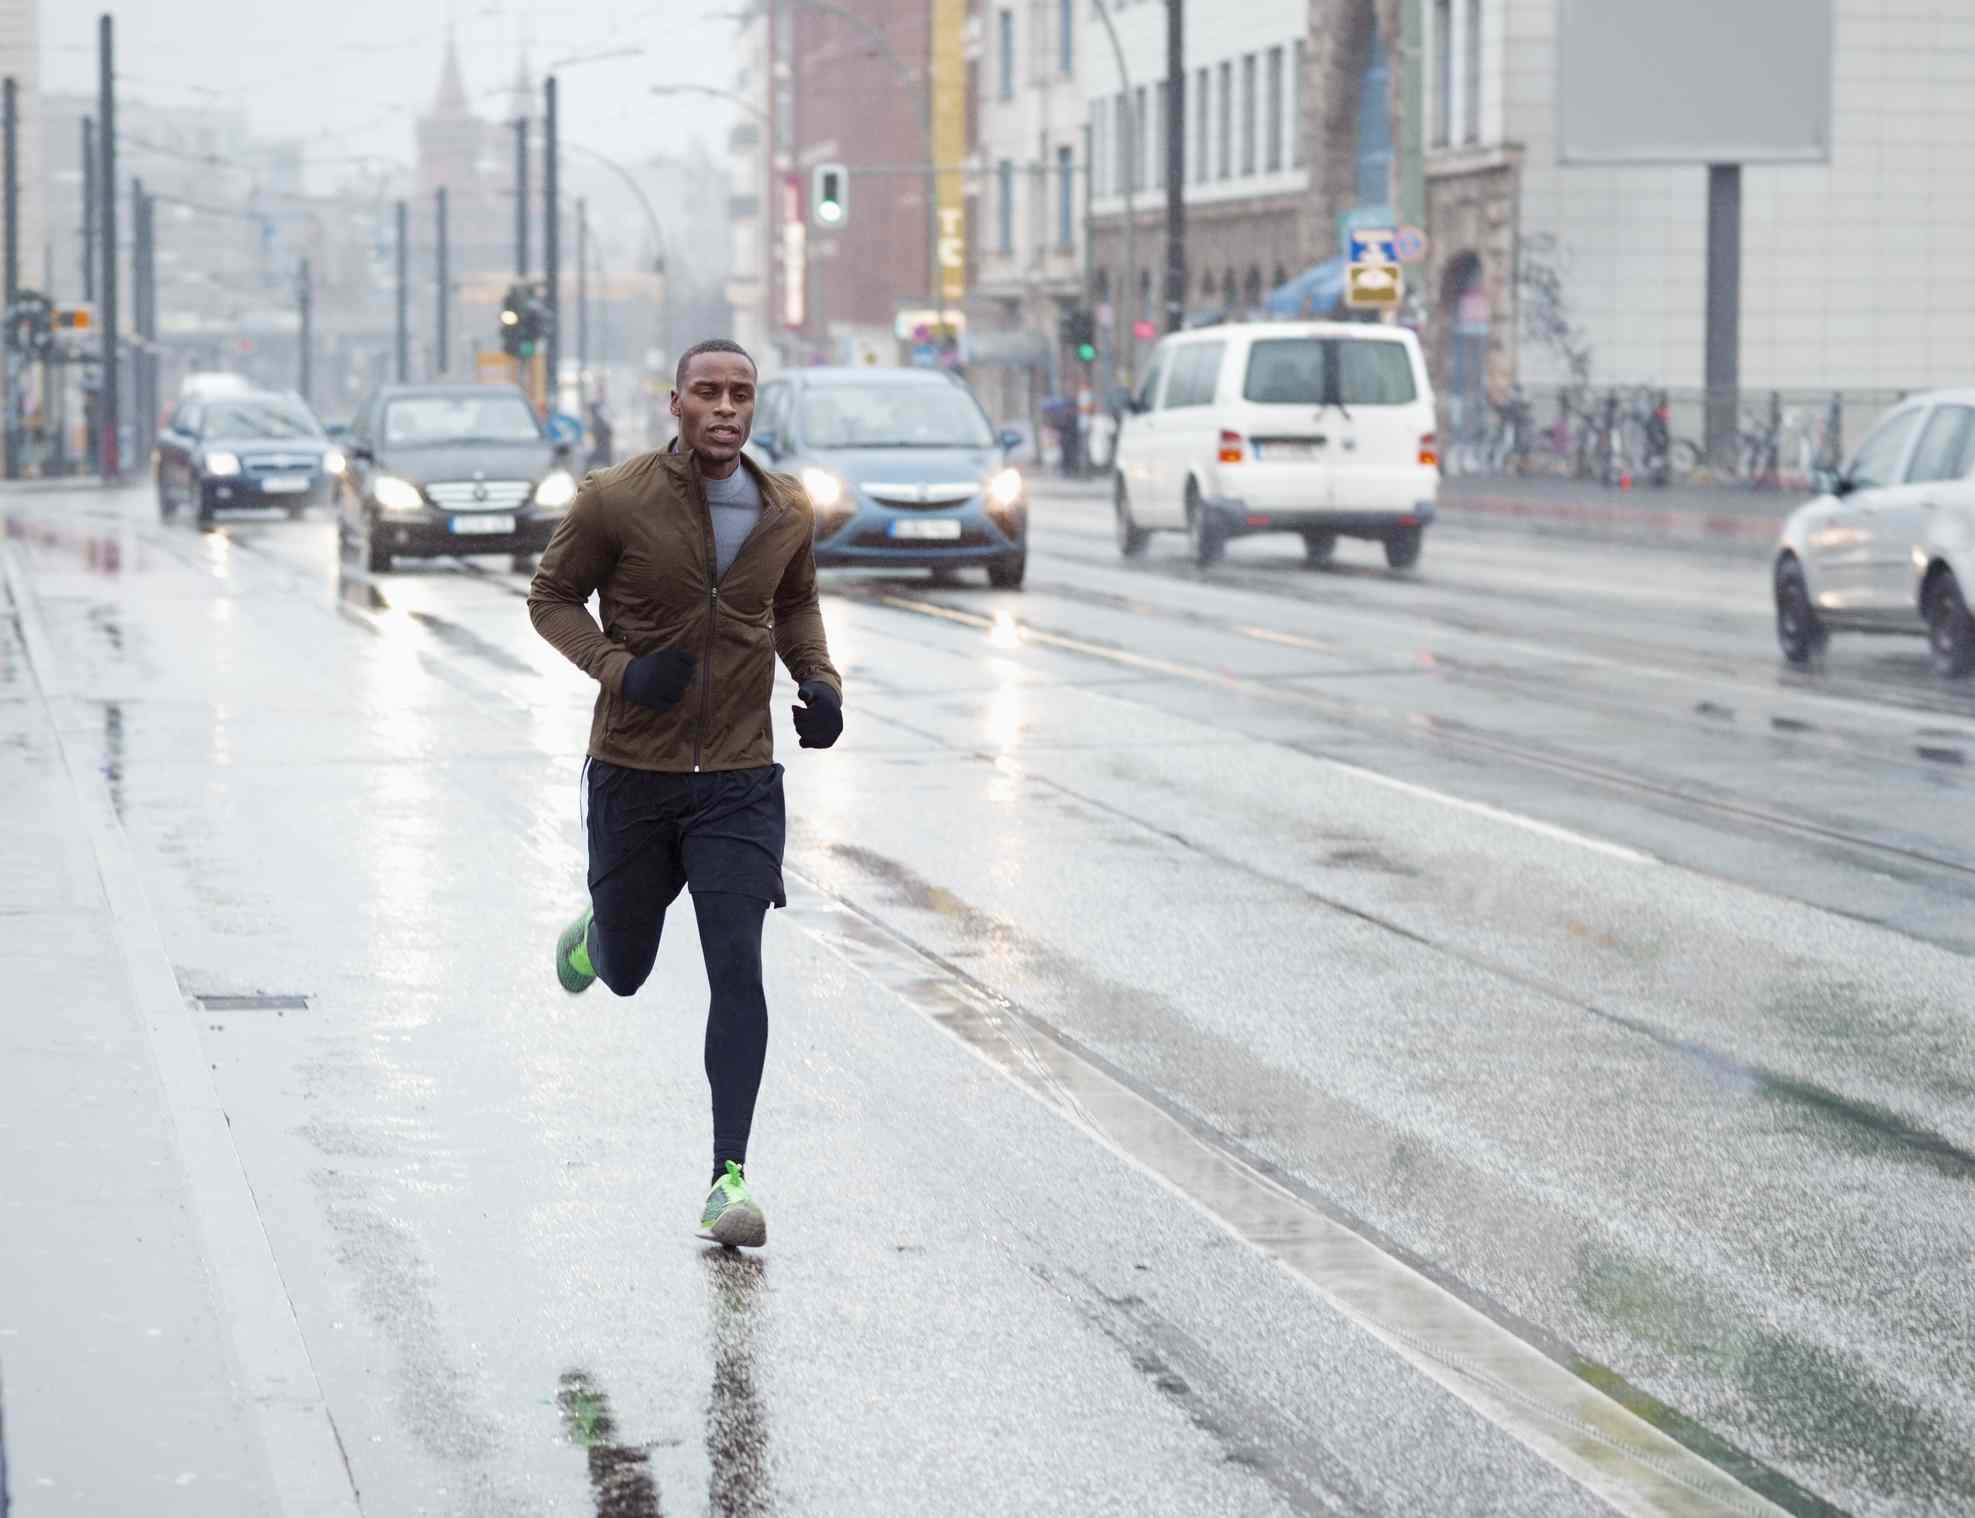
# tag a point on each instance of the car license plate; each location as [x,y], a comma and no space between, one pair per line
[484,526]
[927,529]
[284,484]
[1285,452]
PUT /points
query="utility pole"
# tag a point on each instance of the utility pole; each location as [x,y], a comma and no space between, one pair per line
[551,234]
[88,208]
[404,335]
[109,410]
[442,353]
[305,298]
[9,125]
[143,295]
[1124,340]
[582,294]
[521,196]
[1175,165]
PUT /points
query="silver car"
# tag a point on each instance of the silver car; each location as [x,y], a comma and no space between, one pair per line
[1889,545]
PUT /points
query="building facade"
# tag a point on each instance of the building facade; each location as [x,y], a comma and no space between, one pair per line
[1858,274]
[1028,176]
[1247,173]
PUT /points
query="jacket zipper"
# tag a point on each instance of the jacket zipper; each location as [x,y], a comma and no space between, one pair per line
[714,578]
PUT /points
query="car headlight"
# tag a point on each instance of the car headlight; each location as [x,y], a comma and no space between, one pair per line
[1005,489]
[394,494]
[824,488]
[220,465]
[556,491]
[334,462]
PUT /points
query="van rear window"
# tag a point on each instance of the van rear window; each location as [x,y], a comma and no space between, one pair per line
[1318,371]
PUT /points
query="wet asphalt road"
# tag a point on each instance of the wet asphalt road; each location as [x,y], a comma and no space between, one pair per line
[1156,938]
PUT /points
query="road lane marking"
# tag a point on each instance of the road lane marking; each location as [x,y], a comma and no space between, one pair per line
[1195,673]
[306,1465]
[1596,1440]
[1483,809]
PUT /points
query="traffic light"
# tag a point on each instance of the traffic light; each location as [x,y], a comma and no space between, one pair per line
[514,305]
[1080,333]
[31,323]
[829,200]
[524,321]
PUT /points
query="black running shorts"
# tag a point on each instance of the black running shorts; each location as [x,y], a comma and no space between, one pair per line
[652,833]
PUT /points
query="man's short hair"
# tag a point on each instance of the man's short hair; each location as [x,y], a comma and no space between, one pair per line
[711,345]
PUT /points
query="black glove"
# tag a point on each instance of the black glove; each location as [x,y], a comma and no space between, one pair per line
[819,720]
[658,680]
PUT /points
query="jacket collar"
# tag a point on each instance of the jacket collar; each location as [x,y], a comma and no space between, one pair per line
[687,463]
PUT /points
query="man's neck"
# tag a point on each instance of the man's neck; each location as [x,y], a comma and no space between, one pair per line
[712,470]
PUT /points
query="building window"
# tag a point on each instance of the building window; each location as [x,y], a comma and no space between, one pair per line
[1473,81]
[1099,109]
[1159,131]
[1066,32]
[1374,151]
[1203,168]
[1138,139]
[1443,72]
[1274,161]
[1248,114]
[1066,198]
[1006,22]
[1004,207]
[1296,111]
[1226,122]
[1123,144]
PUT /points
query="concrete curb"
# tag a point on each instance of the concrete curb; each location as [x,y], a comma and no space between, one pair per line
[1721,527]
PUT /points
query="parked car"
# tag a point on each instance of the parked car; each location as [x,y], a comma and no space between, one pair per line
[903,469]
[450,469]
[1323,429]
[239,449]
[1889,543]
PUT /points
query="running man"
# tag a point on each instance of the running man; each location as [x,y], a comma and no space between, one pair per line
[705,570]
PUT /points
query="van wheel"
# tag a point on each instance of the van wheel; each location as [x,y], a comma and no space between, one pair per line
[1319,548]
[1402,549]
[1950,631]
[1131,537]
[1798,631]
[1006,574]
[1202,535]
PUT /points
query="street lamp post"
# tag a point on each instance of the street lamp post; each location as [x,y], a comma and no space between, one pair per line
[1123,343]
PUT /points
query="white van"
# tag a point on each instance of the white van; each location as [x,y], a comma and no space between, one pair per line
[1324,429]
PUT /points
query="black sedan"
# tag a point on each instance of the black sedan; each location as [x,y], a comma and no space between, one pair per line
[451,469]
[240,450]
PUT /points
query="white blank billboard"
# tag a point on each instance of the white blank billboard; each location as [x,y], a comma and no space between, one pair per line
[1693,81]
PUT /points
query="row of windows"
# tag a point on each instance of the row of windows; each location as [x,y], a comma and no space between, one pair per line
[1240,119]
[1004,46]
[1064,181]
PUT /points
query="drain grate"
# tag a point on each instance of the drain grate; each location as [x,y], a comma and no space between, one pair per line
[255,1003]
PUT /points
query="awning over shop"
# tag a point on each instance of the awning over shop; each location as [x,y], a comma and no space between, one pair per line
[1317,291]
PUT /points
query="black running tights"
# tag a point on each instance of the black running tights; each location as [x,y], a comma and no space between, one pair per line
[737,1017]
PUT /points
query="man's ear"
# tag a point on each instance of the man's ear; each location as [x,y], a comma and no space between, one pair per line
[675,401]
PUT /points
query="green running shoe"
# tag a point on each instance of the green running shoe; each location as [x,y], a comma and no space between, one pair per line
[572,956]
[732,1215]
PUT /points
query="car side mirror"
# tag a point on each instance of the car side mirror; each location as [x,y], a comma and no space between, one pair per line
[769,443]
[1010,439]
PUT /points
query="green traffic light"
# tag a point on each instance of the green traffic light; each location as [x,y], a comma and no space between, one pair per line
[1087,353]
[527,349]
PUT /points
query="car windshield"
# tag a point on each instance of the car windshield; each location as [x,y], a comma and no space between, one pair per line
[274,419]
[496,418]
[935,415]
[1318,371]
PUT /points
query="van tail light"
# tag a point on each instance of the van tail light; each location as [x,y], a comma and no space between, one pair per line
[1231,449]
[1429,451]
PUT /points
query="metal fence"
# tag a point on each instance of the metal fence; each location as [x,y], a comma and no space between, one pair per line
[1646,435]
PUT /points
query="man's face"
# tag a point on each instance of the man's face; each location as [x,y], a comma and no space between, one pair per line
[715,407]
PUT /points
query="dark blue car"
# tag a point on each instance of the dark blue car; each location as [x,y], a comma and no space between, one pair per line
[904,468]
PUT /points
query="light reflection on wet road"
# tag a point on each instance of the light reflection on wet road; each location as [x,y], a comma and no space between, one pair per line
[1633,1013]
